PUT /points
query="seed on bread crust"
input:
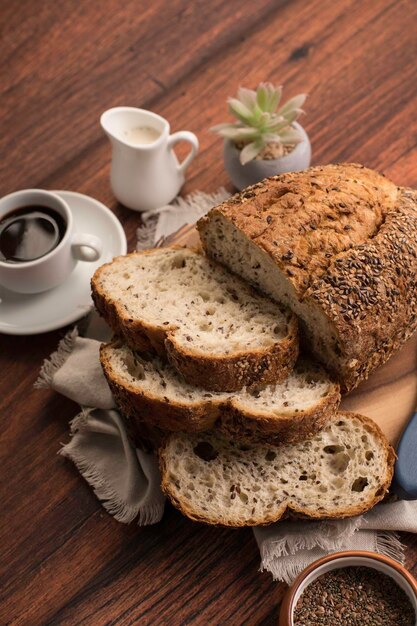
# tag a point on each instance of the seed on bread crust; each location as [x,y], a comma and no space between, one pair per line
[350,278]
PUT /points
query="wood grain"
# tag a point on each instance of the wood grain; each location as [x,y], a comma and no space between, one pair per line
[63,560]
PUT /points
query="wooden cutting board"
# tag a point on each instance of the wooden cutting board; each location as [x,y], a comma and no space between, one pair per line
[389,396]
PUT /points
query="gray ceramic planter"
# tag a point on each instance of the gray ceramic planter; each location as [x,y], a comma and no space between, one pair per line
[254,171]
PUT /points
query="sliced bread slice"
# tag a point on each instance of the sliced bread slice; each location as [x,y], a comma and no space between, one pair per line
[215,329]
[150,390]
[343,471]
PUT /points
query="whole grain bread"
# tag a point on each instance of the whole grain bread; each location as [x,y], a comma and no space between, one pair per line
[343,471]
[337,244]
[148,390]
[215,329]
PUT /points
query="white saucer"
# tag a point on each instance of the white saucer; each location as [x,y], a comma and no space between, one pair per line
[40,313]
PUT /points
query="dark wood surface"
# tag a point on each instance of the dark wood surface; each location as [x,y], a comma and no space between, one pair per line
[63,560]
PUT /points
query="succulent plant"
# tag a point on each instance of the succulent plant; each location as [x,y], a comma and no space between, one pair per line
[260,121]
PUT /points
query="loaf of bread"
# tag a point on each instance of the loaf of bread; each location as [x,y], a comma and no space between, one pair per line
[215,329]
[343,471]
[338,245]
[148,390]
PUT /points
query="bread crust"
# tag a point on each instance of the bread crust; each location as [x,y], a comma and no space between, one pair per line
[303,219]
[291,508]
[228,415]
[274,430]
[231,373]
[356,267]
[369,294]
[214,372]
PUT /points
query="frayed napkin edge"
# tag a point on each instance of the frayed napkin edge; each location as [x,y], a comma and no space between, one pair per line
[107,496]
[323,538]
[57,359]
[387,543]
[193,206]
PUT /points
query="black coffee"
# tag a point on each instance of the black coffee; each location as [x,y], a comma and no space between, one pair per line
[30,232]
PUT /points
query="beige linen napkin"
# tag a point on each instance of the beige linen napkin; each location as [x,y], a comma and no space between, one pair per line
[164,221]
[124,479]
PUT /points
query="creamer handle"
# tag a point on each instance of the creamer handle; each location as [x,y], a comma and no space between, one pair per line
[184,135]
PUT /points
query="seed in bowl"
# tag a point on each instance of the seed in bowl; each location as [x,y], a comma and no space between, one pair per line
[355,596]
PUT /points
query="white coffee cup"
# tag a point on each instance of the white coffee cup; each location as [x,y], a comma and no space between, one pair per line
[54,267]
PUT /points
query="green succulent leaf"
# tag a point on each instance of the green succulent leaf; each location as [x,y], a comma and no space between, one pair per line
[291,117]
[277,123]
[219,128]
[250,151]
[258,115]
[290,136]
[246,134]
[240,110]
[268,97]
[236,132]
[230,133]
[271,137]
[293,103]
[262,97]
[247,97]
[264,119]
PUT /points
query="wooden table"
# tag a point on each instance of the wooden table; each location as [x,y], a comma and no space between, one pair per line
[63,560]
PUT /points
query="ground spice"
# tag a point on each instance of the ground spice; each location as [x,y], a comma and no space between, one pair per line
[354,596]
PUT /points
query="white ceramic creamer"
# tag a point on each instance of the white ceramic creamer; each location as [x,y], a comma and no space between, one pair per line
[145,172]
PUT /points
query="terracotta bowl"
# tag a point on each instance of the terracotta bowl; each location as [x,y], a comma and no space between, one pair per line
[344,559]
